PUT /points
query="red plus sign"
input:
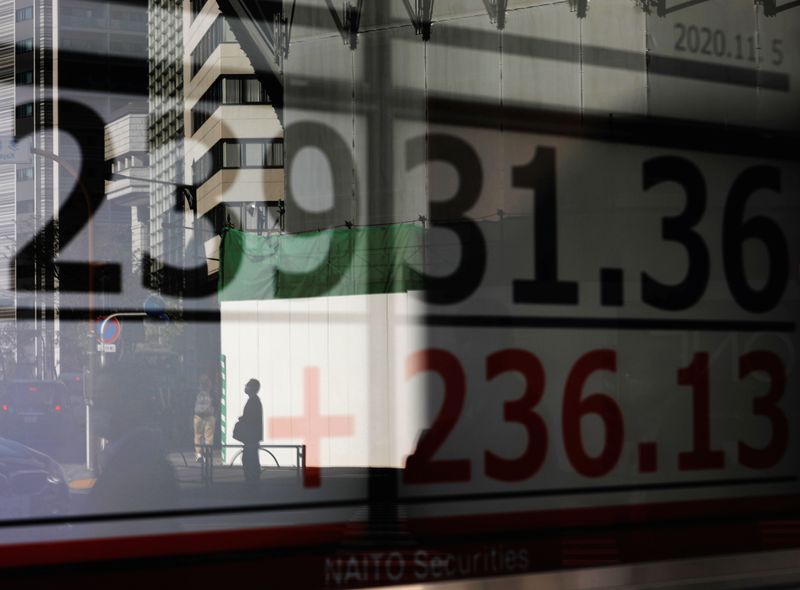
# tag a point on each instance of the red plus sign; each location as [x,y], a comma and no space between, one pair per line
[312,427]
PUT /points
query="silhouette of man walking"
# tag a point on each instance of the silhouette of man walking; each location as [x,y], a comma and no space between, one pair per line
[252,423]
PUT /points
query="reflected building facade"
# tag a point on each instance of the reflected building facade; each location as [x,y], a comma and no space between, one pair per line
[71,63]
[234,138]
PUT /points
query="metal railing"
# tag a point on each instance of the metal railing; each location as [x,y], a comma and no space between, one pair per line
[207,452]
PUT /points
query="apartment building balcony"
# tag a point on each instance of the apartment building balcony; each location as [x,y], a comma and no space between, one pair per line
[126,135]
[126,155]
[227,58]
[130,192]
[234,122]
[240,185]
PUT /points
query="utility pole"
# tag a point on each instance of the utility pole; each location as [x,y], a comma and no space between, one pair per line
[88,381]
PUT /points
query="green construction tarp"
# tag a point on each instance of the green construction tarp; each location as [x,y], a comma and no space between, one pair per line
[355,261]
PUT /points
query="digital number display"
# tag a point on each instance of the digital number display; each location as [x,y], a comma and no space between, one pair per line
[619,337]
[422,267]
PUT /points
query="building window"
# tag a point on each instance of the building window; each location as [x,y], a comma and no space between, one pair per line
[254,93]
[25,110]
[128,45]
[231,155]
[25,77]
[84,43]
[24,174]
[203,168]
[127,20]
[230,90]
[25,45]
[250,217]
[24,14]
[254,217]
[253,155]
[25,206]
[238,154]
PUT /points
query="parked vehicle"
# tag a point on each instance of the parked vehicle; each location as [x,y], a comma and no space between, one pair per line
[38,413]
[31,483]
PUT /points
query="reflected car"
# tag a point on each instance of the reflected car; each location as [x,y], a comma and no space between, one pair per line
[31,483]
[37,413]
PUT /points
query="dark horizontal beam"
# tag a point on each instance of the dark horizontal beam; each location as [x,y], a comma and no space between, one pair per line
[615,323]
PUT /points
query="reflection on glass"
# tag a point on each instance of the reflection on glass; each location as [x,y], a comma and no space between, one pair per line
[534,271]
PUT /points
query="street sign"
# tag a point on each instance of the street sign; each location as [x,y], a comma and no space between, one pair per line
[109,333]
[106,347]
[155,308]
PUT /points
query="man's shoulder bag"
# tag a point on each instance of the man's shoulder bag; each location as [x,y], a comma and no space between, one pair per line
[239,431]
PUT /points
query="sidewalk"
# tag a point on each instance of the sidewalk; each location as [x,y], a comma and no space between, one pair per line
[79,479]
[282,487]
[228,480]
[190,472]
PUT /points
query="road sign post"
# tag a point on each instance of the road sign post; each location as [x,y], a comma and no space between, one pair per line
[109,331]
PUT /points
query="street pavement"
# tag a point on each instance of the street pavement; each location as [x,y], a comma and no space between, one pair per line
[282,499]
[227,486]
